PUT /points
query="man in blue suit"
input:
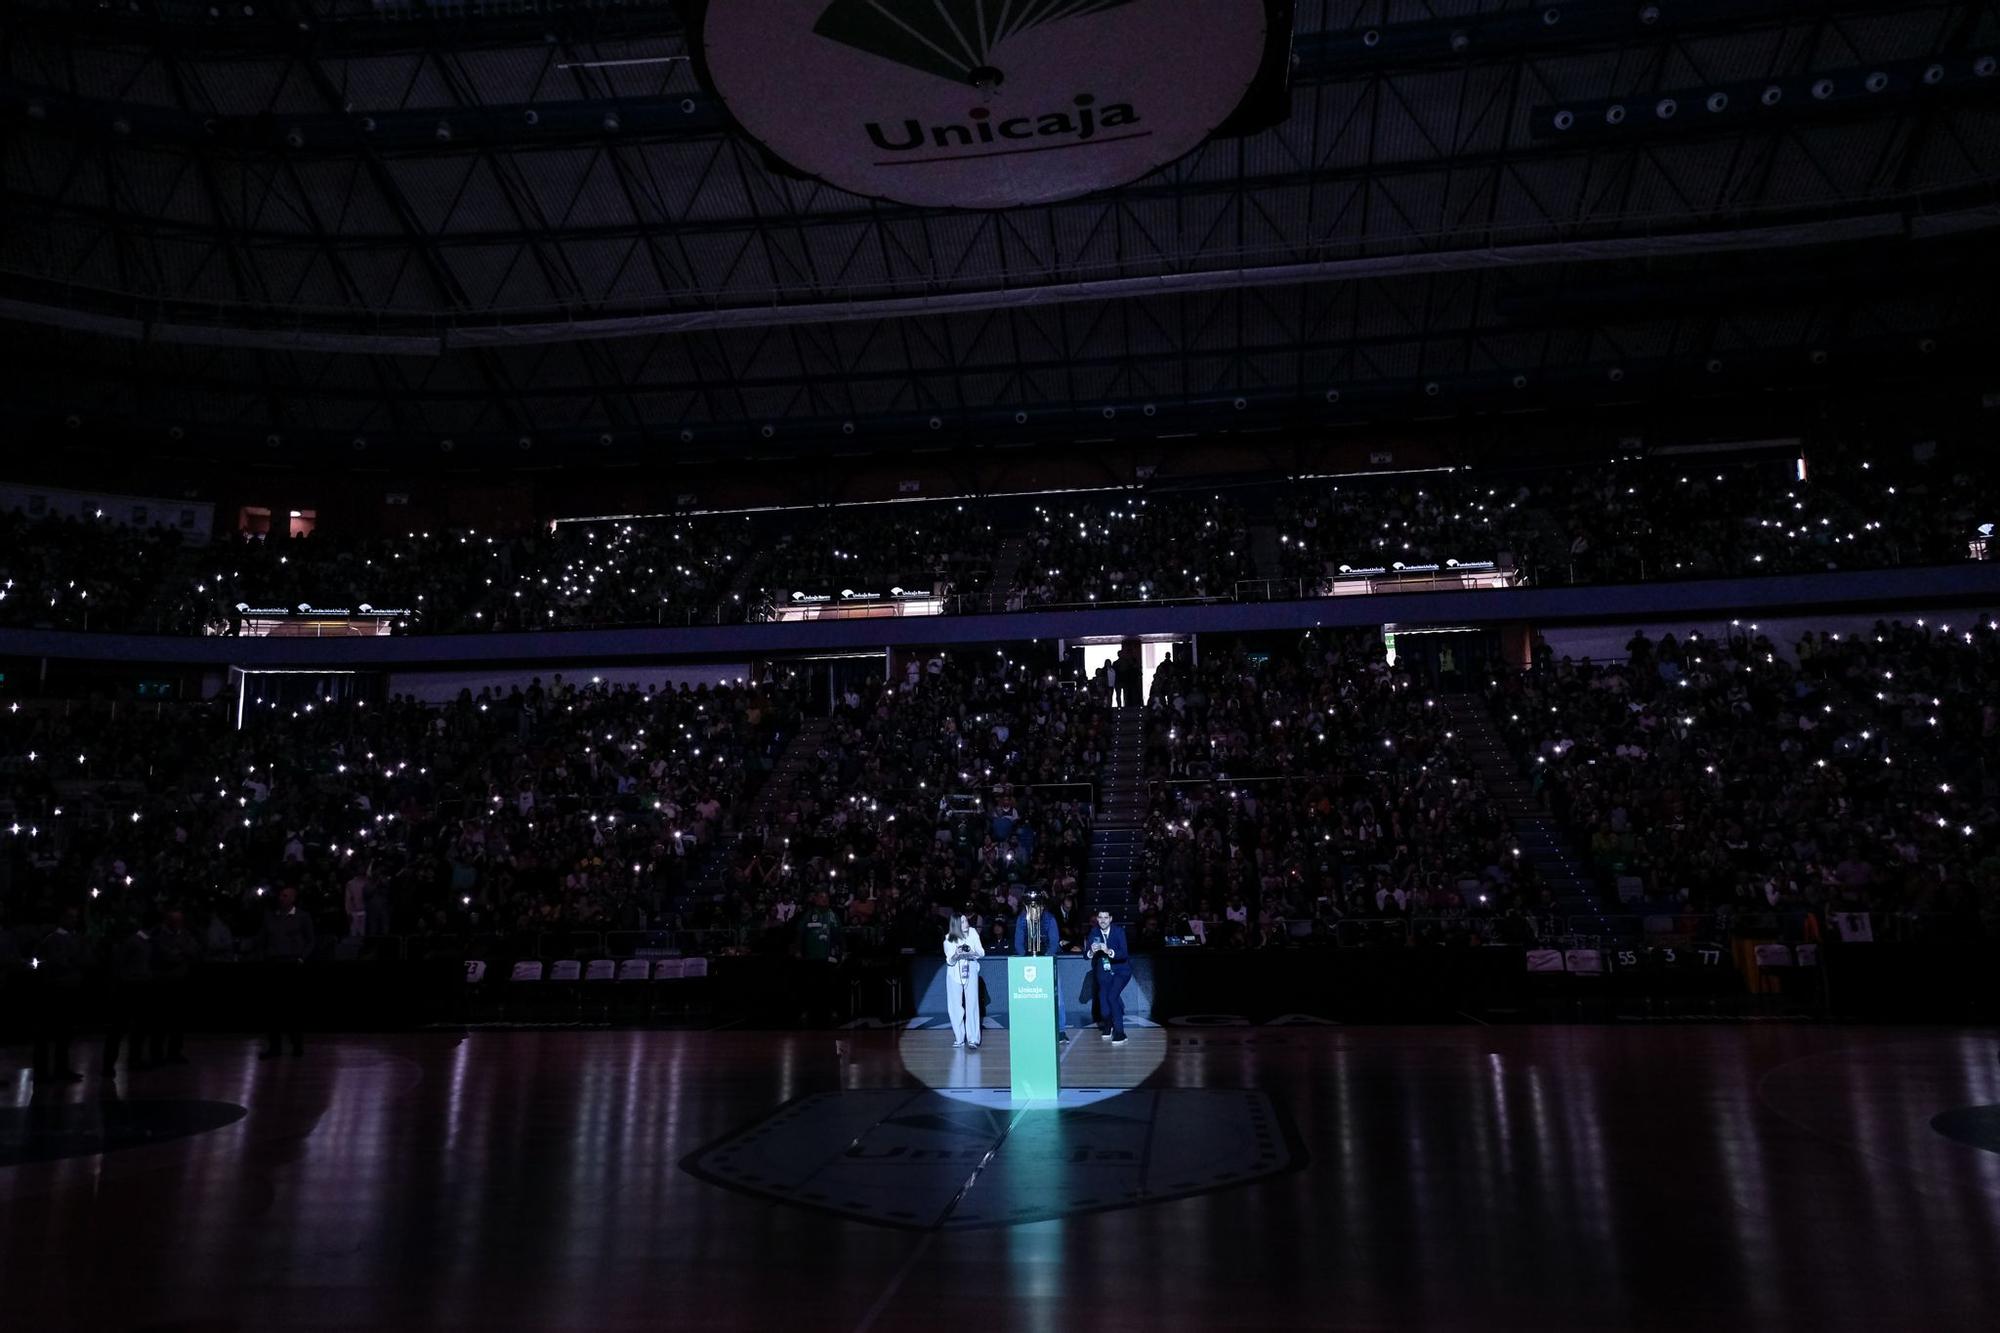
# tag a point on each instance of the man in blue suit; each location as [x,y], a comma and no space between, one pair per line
[1036,934]
[1105,951]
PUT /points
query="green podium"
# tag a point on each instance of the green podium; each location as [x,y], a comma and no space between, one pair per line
[1031,1028]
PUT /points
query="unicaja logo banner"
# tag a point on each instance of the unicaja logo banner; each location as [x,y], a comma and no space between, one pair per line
[953,39]
[982,103]
[1028,972]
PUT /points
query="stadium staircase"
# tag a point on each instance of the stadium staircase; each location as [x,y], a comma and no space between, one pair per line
[1007,559]
[792,764]
[1542,843]
[1118,838]
[778,788]
[745,583]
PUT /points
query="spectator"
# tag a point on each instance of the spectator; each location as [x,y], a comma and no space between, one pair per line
[285,946]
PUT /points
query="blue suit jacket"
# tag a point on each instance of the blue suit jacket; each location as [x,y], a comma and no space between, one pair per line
[1120,962]
[1051,936]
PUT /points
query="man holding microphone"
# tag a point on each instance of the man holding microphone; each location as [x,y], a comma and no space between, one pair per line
[1110,964]
[1036,935]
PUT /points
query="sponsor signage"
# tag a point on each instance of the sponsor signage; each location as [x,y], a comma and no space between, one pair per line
[307,609]
[852,595]
[988,103]
[1032,1067]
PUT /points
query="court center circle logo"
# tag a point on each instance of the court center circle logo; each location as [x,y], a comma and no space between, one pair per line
[927,1160]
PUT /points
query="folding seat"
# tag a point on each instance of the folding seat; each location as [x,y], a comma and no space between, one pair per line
[669,982]
[598,974]
[472,996]
[634,989]
[524,987]
[565,992]
[696,972]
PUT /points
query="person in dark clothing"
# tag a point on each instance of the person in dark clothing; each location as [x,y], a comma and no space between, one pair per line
[175,952]
[131,1007]
[57,967]
[1036,933]
[14,975]
[817,947]
[1107,953]
[286,942]
[1131,676]
[376,899]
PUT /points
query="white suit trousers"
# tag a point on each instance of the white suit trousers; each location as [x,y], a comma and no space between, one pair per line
[961,1000]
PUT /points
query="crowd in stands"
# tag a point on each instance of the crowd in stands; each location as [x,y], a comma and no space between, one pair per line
[556,805]
[1426,520]
[1137,550]
[1291,792]
[880,549]
[962,784]
[1295,795]
[1665,518]
[1619,521]
[67,573]
[576,575]
[965,782]
[79,574]
[1844,773]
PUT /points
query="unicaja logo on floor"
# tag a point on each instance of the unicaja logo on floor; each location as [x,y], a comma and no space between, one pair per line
[981,103]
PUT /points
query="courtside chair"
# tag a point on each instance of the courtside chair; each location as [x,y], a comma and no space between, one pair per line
[565,988]
[696,973]
[635,976]
[598,974]
[669,982]
[470,997]
[524,986]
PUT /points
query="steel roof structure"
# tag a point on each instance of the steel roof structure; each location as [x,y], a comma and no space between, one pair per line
[521,229]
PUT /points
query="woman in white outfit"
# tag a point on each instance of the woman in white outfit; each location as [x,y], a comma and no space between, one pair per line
[962,951]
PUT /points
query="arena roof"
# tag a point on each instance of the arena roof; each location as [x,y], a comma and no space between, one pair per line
[523,229]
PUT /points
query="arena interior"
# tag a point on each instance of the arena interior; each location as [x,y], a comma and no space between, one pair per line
[1019,664]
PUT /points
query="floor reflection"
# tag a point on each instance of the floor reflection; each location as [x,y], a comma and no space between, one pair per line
[1768,1177]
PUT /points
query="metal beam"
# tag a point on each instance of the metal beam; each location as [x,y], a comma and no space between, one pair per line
[1878,226]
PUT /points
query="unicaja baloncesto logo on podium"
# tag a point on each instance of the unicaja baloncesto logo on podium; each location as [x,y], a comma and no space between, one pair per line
[981,103]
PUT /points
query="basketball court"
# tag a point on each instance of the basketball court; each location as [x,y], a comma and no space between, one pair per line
[1766,1176]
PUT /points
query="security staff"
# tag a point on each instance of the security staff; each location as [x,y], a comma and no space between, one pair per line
[1037,935]
[962,951]
[130,1014]
[1105,950]
[175,952]
[13,972]
[57,966]
[287,942]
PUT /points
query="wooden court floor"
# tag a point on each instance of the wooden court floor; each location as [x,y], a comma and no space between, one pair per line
[1760,1178]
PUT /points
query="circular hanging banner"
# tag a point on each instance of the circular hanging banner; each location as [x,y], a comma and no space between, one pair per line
[981,103]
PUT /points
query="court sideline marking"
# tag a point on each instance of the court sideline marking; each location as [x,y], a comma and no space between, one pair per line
[896,1279]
